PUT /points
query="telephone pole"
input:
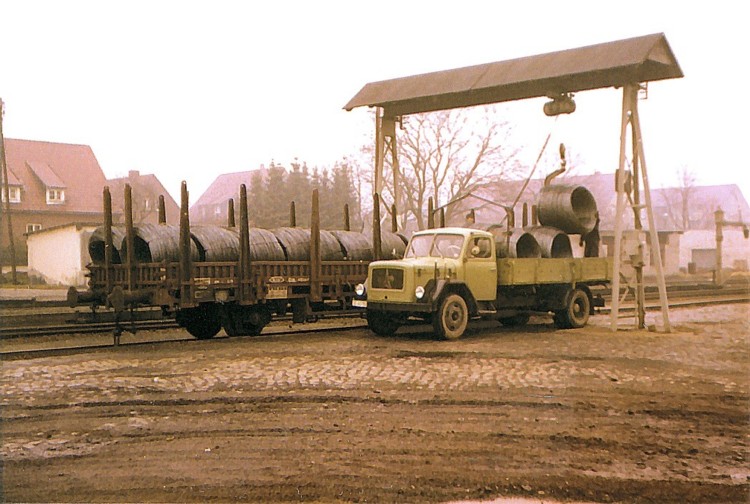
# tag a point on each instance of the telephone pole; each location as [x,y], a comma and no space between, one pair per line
[6,196]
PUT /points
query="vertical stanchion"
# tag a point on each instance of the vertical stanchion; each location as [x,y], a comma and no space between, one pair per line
[315,260]
[129,237]
[230,213]
[430,213]
[376,247]
[162,210]
[186,265]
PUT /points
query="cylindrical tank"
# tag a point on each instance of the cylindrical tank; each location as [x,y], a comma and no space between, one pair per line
[518,243]
[217,244]
[96,244]
[572,209]
[552,241]
[157,243]
[296,244]
[355,246]
[392,245]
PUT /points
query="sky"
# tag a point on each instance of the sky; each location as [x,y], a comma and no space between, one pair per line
[189,90]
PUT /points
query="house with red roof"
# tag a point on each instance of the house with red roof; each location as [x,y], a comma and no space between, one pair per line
[50,184]
[212,206]
[145,192]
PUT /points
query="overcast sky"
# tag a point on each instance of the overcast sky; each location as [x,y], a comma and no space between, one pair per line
[189,90]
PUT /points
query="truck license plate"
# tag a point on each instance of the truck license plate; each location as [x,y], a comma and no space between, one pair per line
[359,303]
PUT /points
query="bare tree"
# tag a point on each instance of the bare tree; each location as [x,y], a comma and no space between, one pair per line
[448,155]
[678,200]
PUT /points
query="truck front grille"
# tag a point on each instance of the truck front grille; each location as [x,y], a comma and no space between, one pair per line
[388,278]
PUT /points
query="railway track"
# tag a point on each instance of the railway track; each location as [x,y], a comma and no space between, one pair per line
[102,331]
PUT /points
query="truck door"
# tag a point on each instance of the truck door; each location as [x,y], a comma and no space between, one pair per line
[480,268]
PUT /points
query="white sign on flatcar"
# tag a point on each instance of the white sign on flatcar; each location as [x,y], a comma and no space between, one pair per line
[359,303]
[276,292]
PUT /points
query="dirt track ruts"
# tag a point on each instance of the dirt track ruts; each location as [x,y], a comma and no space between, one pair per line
[585,415]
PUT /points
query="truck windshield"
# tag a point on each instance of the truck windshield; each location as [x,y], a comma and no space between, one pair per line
[437,245]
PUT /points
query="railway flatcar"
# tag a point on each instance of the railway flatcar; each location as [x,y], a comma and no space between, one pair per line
[238,279]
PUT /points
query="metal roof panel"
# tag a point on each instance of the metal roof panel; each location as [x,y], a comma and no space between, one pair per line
[639,59]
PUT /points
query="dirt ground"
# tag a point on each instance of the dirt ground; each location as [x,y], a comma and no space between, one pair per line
[550,415]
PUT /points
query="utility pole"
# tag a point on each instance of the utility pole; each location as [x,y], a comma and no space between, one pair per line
[720,223]
[6,196]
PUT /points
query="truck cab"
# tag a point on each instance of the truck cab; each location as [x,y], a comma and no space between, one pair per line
[437,263]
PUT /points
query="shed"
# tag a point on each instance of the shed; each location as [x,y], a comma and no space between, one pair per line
[59,255]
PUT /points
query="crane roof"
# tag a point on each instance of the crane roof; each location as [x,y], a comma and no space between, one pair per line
[611,64]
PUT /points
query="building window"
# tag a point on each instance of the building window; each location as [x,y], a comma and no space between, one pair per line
[14,194]
[55,196]
[30,228]
[217,210]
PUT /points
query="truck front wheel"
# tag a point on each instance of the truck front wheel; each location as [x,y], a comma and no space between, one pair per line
[576,312]
[381,323]
[452,317]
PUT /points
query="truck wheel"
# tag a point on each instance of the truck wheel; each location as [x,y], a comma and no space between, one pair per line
[576,312]
[452,317]
[517,320]
[381,323]
[202,322]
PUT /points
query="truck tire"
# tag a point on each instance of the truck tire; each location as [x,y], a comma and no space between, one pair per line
[452,317]
[576,312]
[382,323]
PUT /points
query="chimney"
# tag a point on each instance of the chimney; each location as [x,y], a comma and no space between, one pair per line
[133,174]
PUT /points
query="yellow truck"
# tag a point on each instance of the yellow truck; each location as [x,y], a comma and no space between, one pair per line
[451,275]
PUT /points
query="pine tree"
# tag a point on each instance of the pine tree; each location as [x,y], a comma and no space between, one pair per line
[256,201]
[277,197]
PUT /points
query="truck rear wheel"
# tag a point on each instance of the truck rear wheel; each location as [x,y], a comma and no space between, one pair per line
[381,323]
[452,317]
[576,312]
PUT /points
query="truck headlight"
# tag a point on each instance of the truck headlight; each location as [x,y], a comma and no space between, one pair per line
[359,290]
[419,292]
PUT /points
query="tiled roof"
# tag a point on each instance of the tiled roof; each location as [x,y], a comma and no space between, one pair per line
[226,185]
[73,167]
[45,174]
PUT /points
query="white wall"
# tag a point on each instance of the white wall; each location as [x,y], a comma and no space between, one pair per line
[59,256]
[734,247]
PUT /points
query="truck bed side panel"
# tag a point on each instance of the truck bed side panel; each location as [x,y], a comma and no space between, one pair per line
[553,271]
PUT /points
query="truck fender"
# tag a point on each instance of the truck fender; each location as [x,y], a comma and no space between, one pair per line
[443,286]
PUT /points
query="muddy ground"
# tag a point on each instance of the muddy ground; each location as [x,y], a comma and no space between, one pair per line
[585,415]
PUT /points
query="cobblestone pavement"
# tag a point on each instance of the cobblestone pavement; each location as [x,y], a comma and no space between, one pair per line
[584,414]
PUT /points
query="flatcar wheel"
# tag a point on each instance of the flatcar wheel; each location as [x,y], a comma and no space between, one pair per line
[517,320]
[245,320]
[381,323]
[576,312]
[202,322]
[452,317]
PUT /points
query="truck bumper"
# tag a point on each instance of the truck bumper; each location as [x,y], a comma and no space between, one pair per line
[400,307]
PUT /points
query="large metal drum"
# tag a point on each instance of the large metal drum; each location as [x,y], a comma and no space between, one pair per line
[355,246]
[97,241]
[216,244]
[157,243]
[571,209]
[552,242]
[392,245]
[515,243]
[296,244]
